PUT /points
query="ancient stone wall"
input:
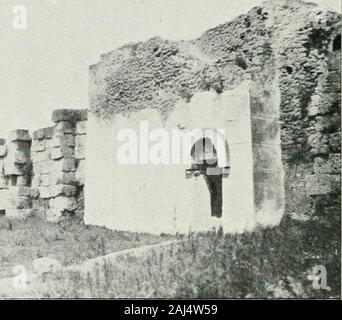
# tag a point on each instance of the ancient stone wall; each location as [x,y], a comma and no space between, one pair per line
[44,175]
[287,47]
[308,50]
[291,51]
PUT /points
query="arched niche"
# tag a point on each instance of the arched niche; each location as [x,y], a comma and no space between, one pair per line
[210,158]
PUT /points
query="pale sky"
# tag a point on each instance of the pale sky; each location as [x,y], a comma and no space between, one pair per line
[45,66]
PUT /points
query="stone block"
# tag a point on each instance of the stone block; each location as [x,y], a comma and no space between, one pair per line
[41,205]
[23,180]
[66,140]
[64,127]
[19,135]
[334,76]
[81,127]
[330,165]
[48,132]
[57,190]
[3,182]
[62,152]
[48,144]
[65,190]
[319,144]
[38,157]
[45,180]
[82,115]
[80,149]
[24,146]
[64,165]
[38,145]
[34,192]
[38,134]
[320,184]
[35,181]
[3,150]
[44,133]
[72,115]
[52,216]
[63,115]
[20,191]
[46,192]
[20,157]
[335,163]
[63,204]
[21,214]
[44,167]
[17,153]
[67,178]
[328,123]
[56,154]
[335,141]
[13,169]
[18,202]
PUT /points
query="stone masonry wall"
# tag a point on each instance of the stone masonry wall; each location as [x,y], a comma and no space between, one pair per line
[308,49]
[285,45]
[45,175]
[15,174]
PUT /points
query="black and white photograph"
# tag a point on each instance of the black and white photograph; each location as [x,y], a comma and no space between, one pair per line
[159,150]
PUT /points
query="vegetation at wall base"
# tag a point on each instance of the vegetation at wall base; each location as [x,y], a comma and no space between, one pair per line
[266,263]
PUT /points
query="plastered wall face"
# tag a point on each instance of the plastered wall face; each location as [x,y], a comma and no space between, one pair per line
[159,198]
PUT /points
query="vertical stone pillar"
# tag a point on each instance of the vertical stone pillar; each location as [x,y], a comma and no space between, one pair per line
[40,153]
[268,172]
[16,170]
[64,163]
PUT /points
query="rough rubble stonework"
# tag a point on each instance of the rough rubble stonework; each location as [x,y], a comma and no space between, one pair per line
[282,44]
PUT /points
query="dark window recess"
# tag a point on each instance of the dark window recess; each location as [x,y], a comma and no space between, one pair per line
[337,43]
[2,213]
[204,156]
[289,70]
[214,184]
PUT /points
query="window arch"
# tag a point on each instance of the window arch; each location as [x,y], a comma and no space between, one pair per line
[206,161]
